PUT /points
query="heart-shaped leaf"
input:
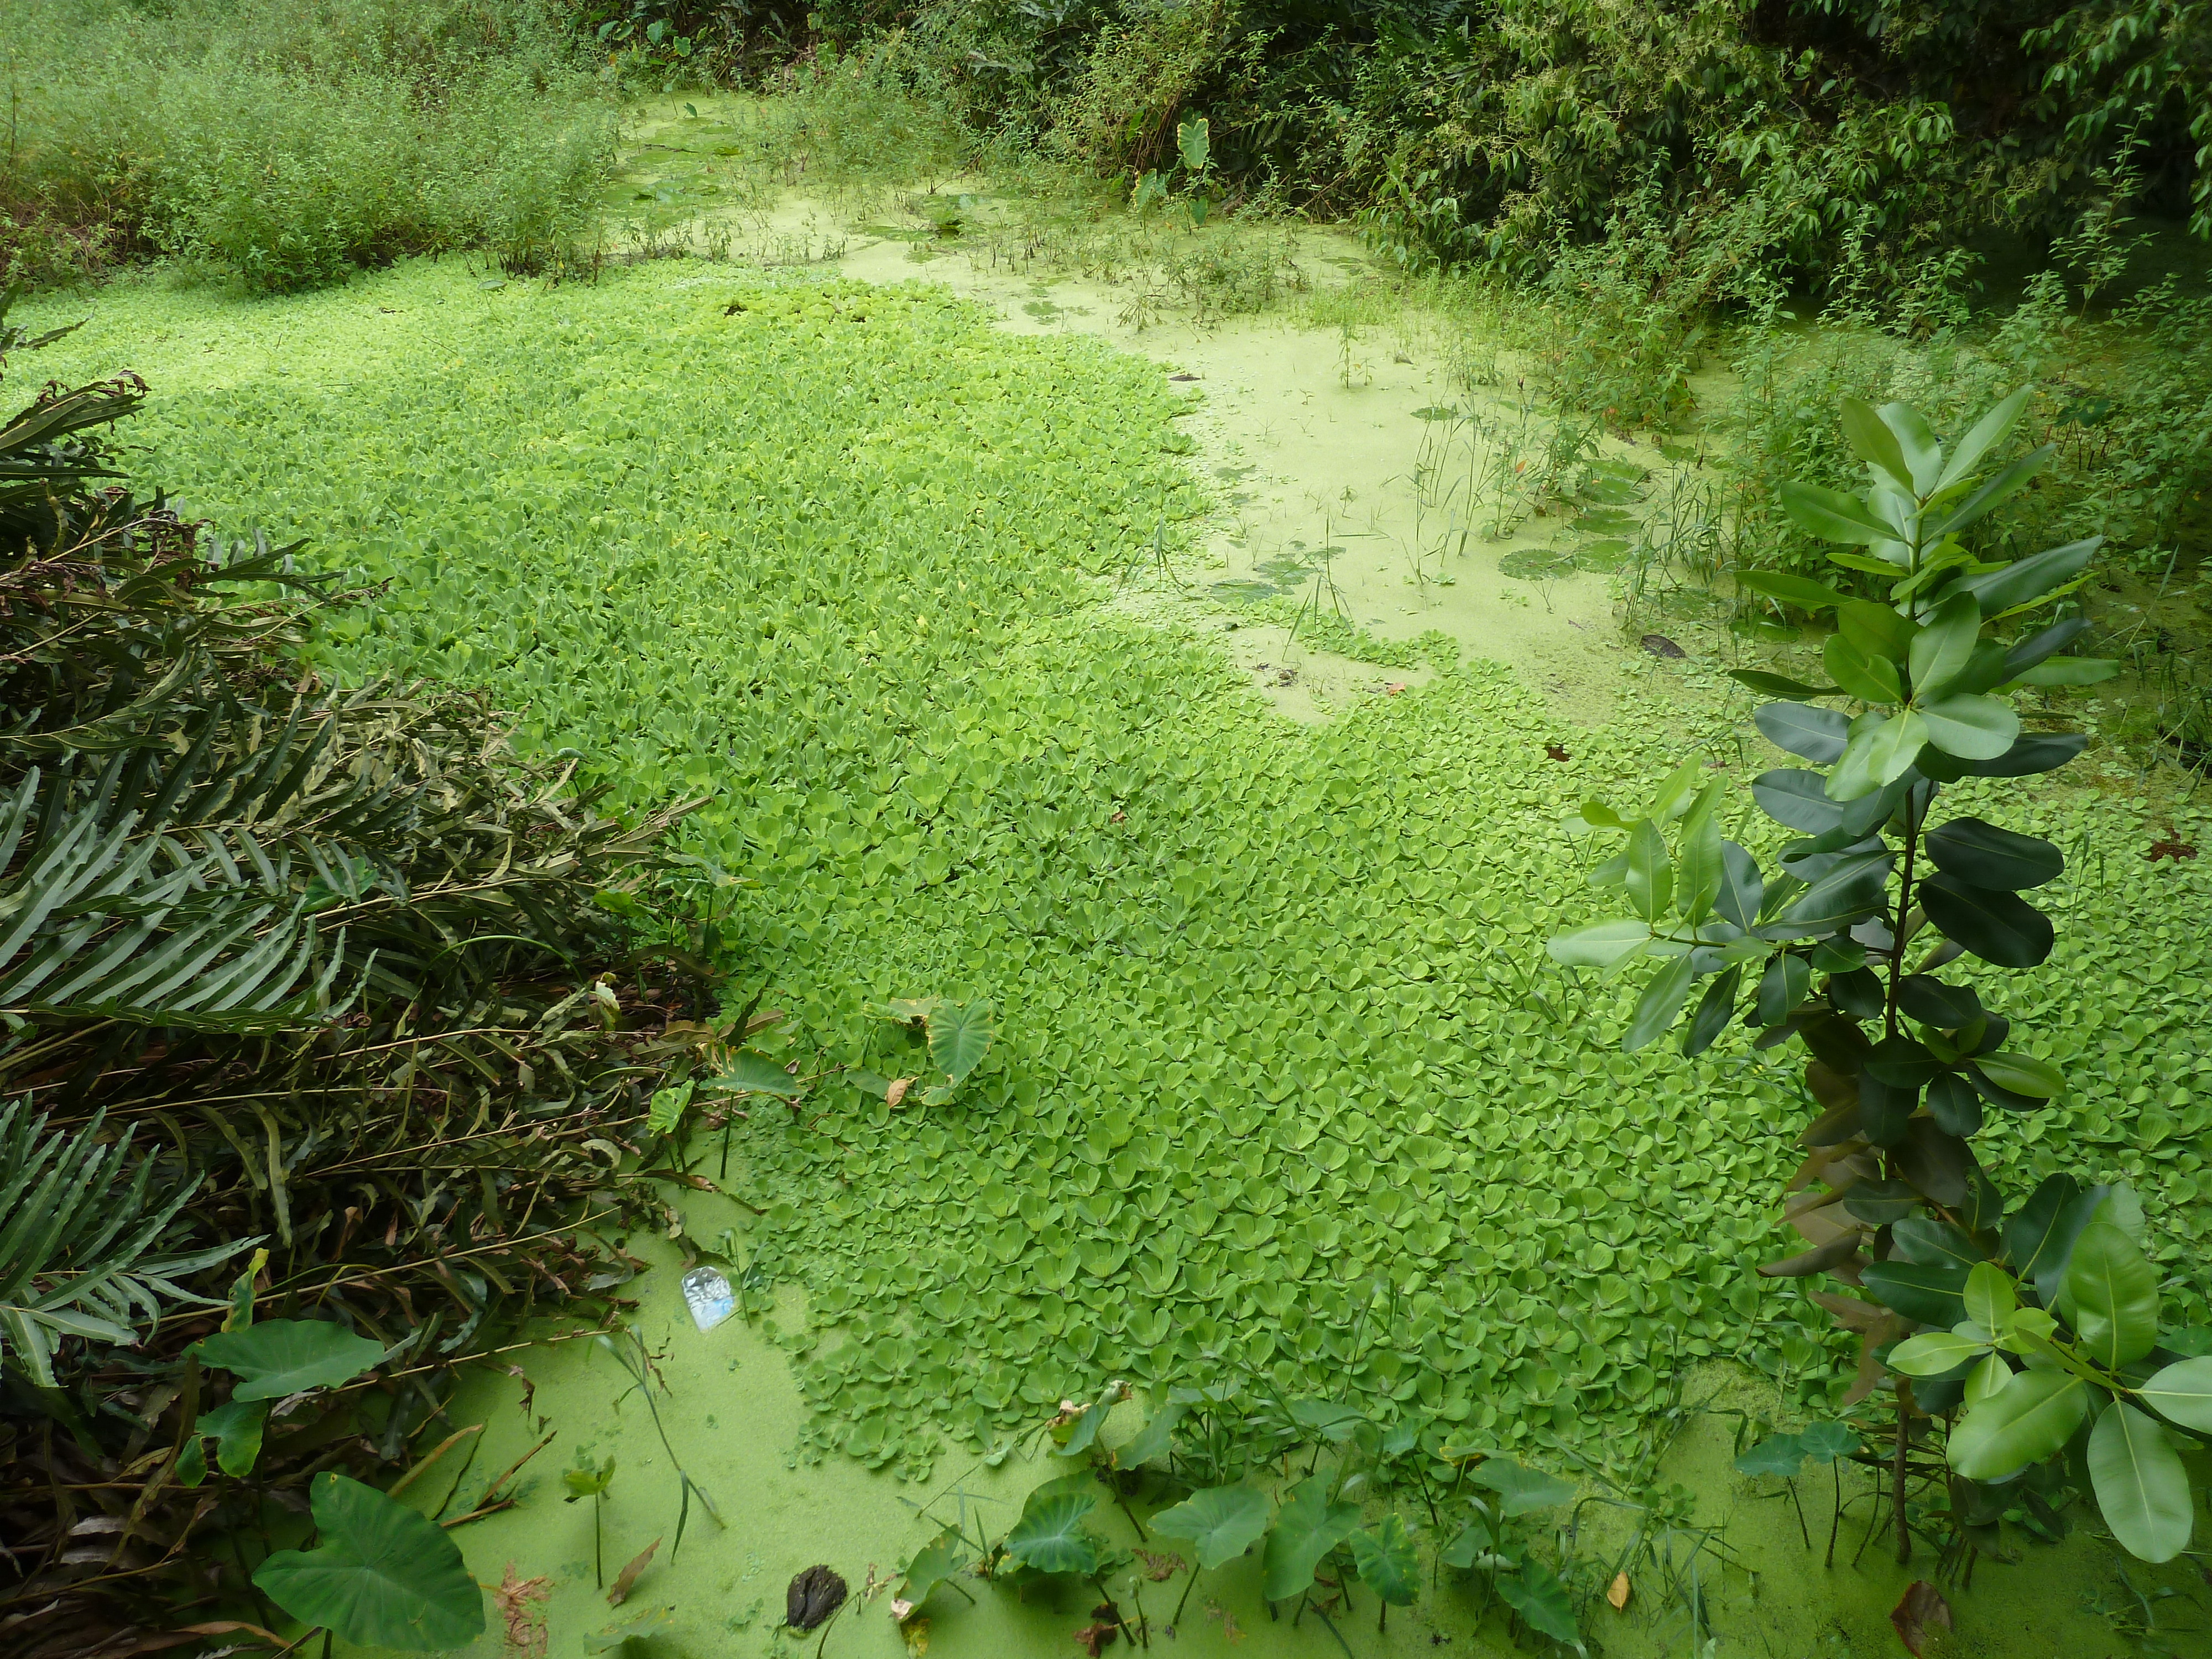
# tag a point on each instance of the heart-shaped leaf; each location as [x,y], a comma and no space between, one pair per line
[1520,1491]
[281,1356]
[1050,1536]
[960,1035]
[1778,1454]
[1222,1523]
[1387,1560]
[380,1575]
[1308,1526]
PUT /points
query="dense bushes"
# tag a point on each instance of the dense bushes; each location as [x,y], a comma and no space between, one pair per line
[1790,137]
[286,144]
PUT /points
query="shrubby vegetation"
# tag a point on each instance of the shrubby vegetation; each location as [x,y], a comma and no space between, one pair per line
[286,144]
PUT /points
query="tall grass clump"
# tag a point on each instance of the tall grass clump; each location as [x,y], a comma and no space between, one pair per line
[284,145]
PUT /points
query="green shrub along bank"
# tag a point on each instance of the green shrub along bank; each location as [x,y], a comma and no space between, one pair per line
[1778,144]
[1280,1087]
[284,145]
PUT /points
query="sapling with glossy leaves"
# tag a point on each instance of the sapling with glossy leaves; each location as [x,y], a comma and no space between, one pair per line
[2042,1325]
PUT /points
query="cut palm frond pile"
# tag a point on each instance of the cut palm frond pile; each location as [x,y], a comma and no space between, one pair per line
[320,972]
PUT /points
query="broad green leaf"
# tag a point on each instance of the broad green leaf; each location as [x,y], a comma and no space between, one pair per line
[2182,1393]
[2039,1239]
[1676,794]
[1944,645]
[1917,441]
[1796,799]
[1982,854]
[1832,516]
[2068,671]
[1986,434]
[1650,881]
[1869,678]
[1997,926]
[1974,729]
[281,1356]
[960,1035]
[2110,1296]
[1927,1295]
[1050,1536]
[1152,1440]
[1387,1560]
[665,1109]
[942,1558]
[1818,734]
[1699,871]
[2029,581]
[1779,1454]
[1990,1295]
[2023,1074]
[2031,753]
[1780,685]
[1800,590]
[1221,1522]
[749,1071]
[2024,1422]
[1873,443]
[2007,482]
[1662,998]
[380,1575]
[1520,1491]
[1307,1528]
[1894,745]
[238,1428]
[1714,1011]
[1991,1375]
[1828,1441]
[1933,1352]
[2143,1491]
[1536,1593]
[1600,944]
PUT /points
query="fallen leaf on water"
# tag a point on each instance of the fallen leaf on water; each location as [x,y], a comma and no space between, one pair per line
[1229,1630]
[1920,1611]
[814,1594]
[1160,1566]
[1093,1637]
[896,1092]
[1618,1594]
[626,1580]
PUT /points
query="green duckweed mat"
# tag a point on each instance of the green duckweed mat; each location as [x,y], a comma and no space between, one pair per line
[1283,1086]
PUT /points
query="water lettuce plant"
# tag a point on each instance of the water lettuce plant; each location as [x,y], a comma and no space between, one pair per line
[2043,1316]
[1270,1020]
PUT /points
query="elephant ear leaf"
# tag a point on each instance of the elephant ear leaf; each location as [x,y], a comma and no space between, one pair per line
[382,1576]
[1520,1490]
[1387,1561]
[1307,1528]
[960,1035]
[282,1356]
[1221,1522]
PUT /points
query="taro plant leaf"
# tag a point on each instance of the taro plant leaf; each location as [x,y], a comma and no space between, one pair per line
[1389,1563]
[748,1072]
[1152,1440]
[1987,856]
[1781,1454]
[1221,1522]
[2141,1488]
[1307,1528]
[1828,1441]
[238,1429]
[1520,1491]
[280,1357]
[960,1035]
[2182,1393]
[2110,1296]
[380,1575]
[1536,1593]
[938,1559]
[2024,1422]
[1050,1536]
[1333,1420]
[665,1109]
[1997,926]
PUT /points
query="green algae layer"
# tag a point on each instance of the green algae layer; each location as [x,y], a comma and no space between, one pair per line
[1283,1088]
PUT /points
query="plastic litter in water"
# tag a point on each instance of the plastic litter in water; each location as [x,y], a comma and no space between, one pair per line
[708,1294]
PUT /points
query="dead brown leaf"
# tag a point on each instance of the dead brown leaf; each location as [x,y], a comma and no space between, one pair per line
[626,1580]
[1919,1612]
[1229,1631]
[897,1091]
[1160,1566]
[1617,1594]
[1093,1638]
[517,1599]
[916,1631]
